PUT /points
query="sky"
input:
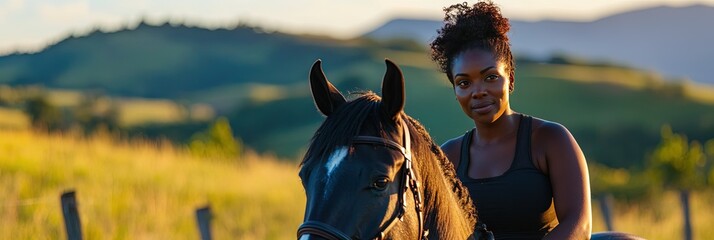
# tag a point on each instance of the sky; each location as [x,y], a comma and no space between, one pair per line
[29,25]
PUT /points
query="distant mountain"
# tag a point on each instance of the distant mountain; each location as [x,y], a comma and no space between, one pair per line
[675,41]
[421,30]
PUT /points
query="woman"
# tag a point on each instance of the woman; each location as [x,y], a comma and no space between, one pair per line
[527,176]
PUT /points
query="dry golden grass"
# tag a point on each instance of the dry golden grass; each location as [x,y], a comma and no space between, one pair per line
[699,92]
[140,190]
[13,118]
[138,111]
[661,219]
[64,98]
[146,190]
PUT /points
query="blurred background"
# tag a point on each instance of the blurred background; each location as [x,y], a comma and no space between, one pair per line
[151,109]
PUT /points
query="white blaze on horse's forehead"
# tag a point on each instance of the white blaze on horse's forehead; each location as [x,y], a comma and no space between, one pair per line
[333,162]
[335,159]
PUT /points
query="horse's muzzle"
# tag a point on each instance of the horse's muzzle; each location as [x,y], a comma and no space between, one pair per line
[321,230]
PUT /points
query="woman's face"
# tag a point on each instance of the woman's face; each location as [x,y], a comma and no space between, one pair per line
[481,85]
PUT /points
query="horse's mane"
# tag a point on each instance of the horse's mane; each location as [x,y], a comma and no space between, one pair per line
[429,147]
[349,118]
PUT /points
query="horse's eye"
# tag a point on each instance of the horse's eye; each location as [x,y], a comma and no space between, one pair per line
[380,184]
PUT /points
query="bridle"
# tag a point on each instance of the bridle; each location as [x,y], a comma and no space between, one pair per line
[408,182]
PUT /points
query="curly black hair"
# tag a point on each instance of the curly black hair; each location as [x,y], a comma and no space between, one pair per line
[478,27]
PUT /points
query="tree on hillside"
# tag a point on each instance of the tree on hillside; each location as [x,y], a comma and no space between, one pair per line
[217,141]
[8,95]
[680,165]
[43,114]
[96,111]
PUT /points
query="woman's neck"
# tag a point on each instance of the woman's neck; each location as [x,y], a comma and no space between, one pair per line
[503,128]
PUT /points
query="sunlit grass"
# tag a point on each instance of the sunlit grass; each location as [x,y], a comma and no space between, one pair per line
[64,98]
[142,111]
[130,111]
[140,190]
[699,92]
[661,219]
[233,96]
[13,118]
[266,93]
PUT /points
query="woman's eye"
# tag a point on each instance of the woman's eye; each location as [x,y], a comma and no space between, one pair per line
[462,83]
[491,78]
[380,184]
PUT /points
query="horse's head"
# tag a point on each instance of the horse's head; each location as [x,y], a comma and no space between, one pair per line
[357,173]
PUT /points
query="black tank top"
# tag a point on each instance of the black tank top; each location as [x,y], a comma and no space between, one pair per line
[517,204]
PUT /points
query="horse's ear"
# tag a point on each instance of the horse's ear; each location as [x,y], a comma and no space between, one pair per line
[326,96]
[392,90]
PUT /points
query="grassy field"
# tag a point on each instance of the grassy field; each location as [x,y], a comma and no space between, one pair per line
[140,190]
[13,118]
[147,190]
[662,218]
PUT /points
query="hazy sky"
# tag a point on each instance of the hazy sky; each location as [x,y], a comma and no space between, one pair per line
[31,24]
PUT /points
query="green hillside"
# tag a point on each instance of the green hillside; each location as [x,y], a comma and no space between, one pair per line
[174,62]
[259,80]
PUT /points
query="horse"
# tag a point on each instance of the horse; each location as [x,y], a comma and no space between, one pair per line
[373,172]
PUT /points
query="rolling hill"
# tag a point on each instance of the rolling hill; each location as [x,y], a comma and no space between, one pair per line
[176,62]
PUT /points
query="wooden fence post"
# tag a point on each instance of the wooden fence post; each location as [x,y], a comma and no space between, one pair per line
[71,215]
[684,198]
[203,216]
[606,208]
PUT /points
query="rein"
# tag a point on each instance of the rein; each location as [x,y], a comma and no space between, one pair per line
[408,182]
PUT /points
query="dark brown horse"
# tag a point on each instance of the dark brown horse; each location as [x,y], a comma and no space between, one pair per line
[371,171]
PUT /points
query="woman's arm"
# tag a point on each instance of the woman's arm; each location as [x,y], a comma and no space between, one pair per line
[568,173]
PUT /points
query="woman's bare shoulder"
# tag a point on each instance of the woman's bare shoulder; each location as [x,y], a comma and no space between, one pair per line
[552,143]
[549,131]
[452,144]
